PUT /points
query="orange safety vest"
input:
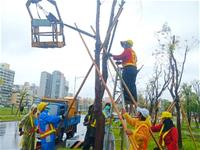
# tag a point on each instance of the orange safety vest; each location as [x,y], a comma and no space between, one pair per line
[49,130]
[145,139]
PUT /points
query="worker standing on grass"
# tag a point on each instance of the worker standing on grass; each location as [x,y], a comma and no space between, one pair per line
[109,140]
[129,60]
[90,122]
[168,133]
[140,136]
[46,127]
[27,128]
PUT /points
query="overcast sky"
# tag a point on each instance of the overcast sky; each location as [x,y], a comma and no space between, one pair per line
[139,21]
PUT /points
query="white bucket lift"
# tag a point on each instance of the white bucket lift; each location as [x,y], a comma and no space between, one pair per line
[46,32]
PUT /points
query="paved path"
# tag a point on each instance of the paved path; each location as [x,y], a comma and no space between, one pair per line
[9,139]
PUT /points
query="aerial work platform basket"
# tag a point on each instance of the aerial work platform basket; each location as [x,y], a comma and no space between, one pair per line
[46,32]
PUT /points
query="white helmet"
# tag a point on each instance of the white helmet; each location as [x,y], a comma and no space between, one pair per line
[143,111]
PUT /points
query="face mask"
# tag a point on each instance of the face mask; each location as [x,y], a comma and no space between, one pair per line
[107,108]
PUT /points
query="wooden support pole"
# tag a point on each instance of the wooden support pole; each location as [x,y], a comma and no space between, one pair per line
[77,93]
[171,106]
[123,82]
[109,94]
[129,93]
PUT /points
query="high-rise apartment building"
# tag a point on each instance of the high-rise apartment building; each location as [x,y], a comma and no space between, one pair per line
[45,84]
[7,80]
[53,85]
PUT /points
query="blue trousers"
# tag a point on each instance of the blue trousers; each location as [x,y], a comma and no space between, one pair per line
[48,143]
[129,75]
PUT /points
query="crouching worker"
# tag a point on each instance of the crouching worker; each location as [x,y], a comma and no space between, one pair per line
[27,128]
[168,133]
[140,135]
[46,127]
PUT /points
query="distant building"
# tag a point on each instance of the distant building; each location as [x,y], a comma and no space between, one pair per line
[53,85]
[45,84]
[7,80]
[30,91]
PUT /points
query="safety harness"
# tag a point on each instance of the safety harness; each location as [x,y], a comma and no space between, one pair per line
[163,136]
[145,139]
[50,129]
[92,123]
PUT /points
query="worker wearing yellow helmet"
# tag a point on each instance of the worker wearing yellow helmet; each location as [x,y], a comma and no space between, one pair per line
[42,106]
[128,59]
[46,127]
[168,132]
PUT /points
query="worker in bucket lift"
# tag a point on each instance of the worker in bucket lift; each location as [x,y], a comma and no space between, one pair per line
[90,122]
[167,131]
[140,136]
[129,72]
[46,126]
[27,128]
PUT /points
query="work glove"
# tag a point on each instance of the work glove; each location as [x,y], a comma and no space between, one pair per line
[21,133]
[129,132]
[123,111]
[62,117]
[118,62]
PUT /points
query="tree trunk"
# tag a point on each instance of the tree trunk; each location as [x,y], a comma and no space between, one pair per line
[98,89]
[188,110]
[199,117]
[98,108]
[156,116]
[151,108]
[196,122]
[179,123]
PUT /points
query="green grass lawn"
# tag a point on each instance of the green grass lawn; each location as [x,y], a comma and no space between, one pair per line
[7,114]
[187,140]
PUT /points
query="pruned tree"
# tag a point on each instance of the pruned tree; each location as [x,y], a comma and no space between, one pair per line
[155,88]
[99,88]
[169,45]
[158,83]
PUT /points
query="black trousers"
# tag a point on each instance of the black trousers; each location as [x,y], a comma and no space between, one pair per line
[89,142]
[129,75]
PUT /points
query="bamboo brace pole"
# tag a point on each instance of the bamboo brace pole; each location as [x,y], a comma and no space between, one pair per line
[190,130]
[123,82]
[76,95]
[109,94]
[129,93]
[171,106]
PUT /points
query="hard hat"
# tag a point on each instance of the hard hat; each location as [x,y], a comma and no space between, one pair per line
[34,106]
[143,111]
[42,105]
[166,114]
[130,42]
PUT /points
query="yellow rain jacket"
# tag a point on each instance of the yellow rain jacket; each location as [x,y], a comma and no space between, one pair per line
[141,135]
[28,140]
